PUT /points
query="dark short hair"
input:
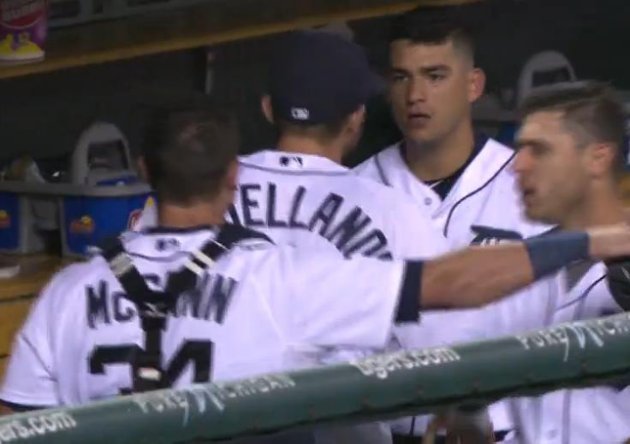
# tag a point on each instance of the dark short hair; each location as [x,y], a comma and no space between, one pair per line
[591,111]
[187,152]
[434,26]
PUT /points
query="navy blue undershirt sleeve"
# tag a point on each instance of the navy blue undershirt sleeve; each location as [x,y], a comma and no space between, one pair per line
[550,253]
[409,302]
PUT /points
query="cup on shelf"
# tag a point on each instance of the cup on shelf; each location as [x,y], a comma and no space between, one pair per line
[23,30]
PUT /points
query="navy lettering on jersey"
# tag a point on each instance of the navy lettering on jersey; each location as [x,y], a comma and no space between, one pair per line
[351,225]
[97,308]
[218,295]
[326,213]
[372,245]
[209,301]
[295,209]
[122,314]
[488,235]
[347,227]
[232,216]
[272,219]
[250,203]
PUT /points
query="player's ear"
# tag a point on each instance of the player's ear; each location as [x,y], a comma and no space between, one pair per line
[601,159]
[357,118]
[142,168]
[231,176]
[476,84]
[266,108]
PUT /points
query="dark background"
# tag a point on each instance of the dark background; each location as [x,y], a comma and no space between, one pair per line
[42,115]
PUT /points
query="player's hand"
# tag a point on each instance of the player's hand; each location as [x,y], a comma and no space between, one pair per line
[461,428]
[609,241]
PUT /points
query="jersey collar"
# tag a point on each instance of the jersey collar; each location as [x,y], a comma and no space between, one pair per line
[490,160]
[283,161]
[179,230]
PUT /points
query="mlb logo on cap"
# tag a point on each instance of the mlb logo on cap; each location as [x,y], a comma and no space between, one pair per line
[299,113]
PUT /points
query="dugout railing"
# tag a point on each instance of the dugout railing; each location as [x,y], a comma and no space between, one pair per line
[391,385]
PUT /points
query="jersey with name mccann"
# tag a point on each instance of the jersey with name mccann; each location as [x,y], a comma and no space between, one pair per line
[315,203]
[78,342]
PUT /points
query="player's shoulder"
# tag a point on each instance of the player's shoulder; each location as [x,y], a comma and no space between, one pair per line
[388,155]
[254,164]
[264,160]
[66,283]
[382,195]
[252,158]
[83,270]
[498,148]
[498,157]
[244,238]
[492,172]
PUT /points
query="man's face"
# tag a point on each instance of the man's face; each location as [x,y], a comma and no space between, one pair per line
[552,169]
[431,89]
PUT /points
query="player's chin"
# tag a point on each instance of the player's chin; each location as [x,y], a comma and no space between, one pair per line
[420,136]
[538,214]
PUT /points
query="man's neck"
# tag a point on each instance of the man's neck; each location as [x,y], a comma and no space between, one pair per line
[194,215]
[290,143]
[604,209]
[443,158]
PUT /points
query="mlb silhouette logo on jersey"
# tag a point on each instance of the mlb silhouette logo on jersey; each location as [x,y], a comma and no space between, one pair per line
[286,161]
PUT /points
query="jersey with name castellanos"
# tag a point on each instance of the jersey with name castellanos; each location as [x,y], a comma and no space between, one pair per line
[260,308]
[315,203]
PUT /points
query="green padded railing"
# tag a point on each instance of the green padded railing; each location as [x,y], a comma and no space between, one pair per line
[567,355]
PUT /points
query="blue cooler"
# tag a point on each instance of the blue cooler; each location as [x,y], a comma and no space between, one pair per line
[12,209]
[99,198]
[99,213]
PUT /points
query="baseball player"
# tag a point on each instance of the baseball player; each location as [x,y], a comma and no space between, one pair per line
[462,179]
[568,163]
[195,299]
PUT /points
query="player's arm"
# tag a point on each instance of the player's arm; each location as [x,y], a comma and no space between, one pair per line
[29,381]
[479,275]
[324,301]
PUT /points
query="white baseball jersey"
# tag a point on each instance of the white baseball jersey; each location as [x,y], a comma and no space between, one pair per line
[313,202]
[585,416]
[260,309]
[482,207]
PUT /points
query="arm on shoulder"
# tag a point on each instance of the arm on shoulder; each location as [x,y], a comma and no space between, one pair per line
[477,276]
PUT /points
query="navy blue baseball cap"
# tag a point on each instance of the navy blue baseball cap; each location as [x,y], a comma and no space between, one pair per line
[317,77]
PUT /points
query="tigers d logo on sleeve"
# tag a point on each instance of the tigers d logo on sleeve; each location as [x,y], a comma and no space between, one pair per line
[489,235]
